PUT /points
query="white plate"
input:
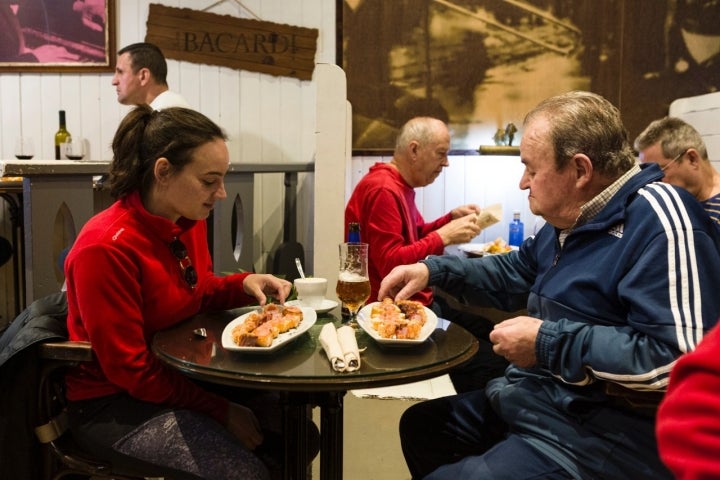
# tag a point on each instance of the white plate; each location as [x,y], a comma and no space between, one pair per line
[309,319]
[363,319]
[326,306]
[479,249]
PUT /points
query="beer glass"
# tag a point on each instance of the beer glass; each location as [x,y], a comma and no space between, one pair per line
[353,286]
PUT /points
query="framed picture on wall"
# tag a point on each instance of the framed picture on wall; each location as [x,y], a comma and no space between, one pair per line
[57,36]
[481,65]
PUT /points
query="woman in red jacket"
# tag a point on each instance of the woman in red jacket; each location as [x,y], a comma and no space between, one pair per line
[688,421]
[141,266]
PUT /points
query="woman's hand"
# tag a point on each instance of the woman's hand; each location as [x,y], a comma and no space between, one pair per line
[243,423]
[259,285]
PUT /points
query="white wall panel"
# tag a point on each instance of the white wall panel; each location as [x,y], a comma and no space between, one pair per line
[455,188]
[10,116]
[131,16]
[712,142]
[228,109]
[47,105]
[249,104]
[287,139]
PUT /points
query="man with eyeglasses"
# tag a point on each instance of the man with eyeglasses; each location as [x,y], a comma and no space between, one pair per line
[680,152]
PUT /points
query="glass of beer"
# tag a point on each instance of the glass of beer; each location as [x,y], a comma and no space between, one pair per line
[353,286]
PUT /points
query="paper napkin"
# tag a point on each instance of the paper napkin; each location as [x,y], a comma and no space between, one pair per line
[340,347]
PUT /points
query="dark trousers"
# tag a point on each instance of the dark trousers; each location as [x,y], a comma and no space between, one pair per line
[461,437]
[486,364]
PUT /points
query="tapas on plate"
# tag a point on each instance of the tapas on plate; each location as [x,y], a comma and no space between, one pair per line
[398,324]
[267,329]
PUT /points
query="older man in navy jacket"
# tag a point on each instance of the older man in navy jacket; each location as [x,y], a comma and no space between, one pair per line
[621,281]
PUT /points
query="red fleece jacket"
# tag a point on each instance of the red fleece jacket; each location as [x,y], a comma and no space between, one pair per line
[688,421]
[124,285]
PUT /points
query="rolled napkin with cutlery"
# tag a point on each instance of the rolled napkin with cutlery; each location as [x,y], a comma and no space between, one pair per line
[340,347]
[331,345]
[349,346]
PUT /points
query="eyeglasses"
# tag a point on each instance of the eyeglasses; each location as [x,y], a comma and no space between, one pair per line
[188,271]
[674,160]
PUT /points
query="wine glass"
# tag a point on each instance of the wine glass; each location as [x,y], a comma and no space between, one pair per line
[74,148]
[24,148]
[353,286]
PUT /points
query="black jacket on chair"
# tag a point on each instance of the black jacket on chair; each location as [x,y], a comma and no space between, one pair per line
[44,320]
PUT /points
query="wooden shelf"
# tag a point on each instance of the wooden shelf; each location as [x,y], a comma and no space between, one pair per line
[499,150]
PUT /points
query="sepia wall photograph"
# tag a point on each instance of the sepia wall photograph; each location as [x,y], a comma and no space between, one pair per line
[481,65]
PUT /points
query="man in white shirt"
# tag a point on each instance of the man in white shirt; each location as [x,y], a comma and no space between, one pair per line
[141,77]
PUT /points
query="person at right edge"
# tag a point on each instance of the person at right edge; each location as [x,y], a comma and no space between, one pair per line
[383,203]
[688,420]
[622,280]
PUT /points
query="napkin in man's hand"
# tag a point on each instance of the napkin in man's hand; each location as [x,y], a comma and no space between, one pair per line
[489,215]
[340,347]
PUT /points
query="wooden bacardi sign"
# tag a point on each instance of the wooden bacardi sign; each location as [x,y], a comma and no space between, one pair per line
[239,43]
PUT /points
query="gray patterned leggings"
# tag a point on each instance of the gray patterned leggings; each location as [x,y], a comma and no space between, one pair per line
[152,440]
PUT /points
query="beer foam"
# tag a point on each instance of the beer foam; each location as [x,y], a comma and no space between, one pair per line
[351,277]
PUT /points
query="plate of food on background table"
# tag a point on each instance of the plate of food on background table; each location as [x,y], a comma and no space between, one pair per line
[496,247]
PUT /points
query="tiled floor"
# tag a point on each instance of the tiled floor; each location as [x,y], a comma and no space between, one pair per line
[371,441]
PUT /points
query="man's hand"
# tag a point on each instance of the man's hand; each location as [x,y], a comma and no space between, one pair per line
[460,230]
[259,285]
[403,281]
[464,210]
[514,339]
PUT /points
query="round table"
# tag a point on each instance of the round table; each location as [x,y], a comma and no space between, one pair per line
[301,372]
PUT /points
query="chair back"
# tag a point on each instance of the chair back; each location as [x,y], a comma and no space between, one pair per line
[61,455]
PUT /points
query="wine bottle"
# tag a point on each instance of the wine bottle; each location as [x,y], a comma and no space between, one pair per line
[61,136]
[353,232]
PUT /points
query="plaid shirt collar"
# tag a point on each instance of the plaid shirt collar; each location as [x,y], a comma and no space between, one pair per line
[597,203]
